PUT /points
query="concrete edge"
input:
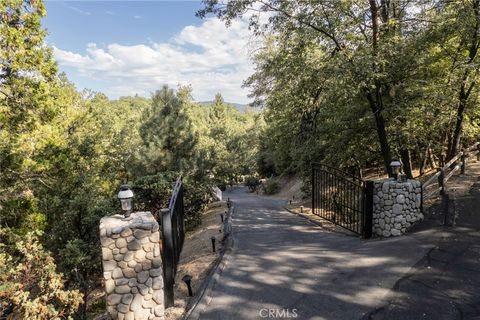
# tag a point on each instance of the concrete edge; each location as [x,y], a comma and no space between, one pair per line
[205,296]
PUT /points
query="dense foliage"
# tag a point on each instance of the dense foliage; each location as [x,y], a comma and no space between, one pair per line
[64,154]
[30,287]
[357,83]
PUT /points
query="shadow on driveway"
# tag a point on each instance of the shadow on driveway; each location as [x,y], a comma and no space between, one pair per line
[282,262]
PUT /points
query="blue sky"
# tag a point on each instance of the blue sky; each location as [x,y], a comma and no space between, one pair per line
[133,47]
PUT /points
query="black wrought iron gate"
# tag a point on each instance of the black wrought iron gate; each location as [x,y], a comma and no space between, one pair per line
[343,199]
[173,236]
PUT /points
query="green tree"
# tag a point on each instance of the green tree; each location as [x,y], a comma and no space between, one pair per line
[332,73]
[27,72]
[166,132]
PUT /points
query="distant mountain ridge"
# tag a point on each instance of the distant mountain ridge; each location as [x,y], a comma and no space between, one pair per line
[240,107]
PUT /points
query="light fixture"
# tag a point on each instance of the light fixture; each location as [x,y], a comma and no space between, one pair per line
[125,195]
[395,167]
[188,281]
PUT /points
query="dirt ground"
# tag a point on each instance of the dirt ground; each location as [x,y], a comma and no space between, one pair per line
[197,258]
[290,188]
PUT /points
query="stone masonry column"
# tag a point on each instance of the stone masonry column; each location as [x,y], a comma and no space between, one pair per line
[396,206]
[132,267]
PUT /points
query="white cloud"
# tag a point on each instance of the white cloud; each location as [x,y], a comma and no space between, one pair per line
[210,57]
[87,13]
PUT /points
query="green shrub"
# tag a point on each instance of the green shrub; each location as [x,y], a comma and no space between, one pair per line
[197,194]
[30,287]
[270,187]
[154,192]
[252,183]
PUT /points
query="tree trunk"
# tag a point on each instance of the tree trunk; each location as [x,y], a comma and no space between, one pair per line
[465,89]
[82,280]
[424,160]
[375,101]
[463,96]
[407,162]
[431,158]
[382,133]
[359,169]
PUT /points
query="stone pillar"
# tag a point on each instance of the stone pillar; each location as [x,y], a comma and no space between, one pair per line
[396,206]
[132,267]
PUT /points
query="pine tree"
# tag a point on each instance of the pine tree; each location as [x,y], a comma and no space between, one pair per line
[168,140]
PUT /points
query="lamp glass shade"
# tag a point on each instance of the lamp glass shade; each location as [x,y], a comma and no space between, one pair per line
[126,204]
[126,199]
[395,165]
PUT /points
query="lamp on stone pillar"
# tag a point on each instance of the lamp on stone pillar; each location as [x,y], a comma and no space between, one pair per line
[395,166]
[125,195]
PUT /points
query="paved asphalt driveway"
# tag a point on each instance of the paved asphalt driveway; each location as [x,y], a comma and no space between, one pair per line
[282,266]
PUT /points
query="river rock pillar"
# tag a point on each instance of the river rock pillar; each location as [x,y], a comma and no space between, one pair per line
[132,267]
[397,206]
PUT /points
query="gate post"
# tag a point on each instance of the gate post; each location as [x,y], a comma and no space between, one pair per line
[168,257]
[132,266]
[368,223]
[313,188]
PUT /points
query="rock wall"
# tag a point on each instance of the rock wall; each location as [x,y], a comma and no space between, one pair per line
[132,267]
[396,206]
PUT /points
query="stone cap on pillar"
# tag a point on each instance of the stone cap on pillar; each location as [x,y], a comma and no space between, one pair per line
[117,223]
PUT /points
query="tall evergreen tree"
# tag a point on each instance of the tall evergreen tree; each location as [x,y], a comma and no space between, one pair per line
[166,132]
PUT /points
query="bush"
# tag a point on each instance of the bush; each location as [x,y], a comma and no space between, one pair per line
[252,183]
[270,187]
[30,288]
[197,194]
[154,192]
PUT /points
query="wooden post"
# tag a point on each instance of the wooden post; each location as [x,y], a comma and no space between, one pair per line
[441,181]
[462,166]
[445,208]
[478,152]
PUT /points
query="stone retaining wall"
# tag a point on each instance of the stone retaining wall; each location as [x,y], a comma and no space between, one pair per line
[132,267]
[396,206]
